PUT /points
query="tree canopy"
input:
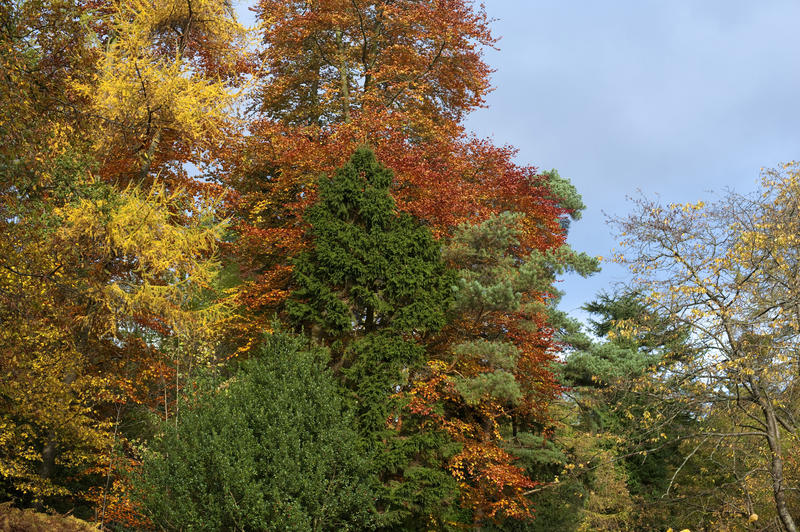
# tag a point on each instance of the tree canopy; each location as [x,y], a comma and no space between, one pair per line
[177,192]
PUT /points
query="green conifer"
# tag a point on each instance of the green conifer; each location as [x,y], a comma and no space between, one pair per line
[373,287]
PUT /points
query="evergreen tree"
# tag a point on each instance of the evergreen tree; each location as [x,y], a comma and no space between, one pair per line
[623,464]
[373,287]
[271,448]
[497,377]
[633,340]
[495,279]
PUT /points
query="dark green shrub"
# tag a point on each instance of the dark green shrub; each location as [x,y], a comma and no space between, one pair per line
[269,449]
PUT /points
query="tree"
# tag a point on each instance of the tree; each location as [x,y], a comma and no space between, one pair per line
[635,341]
[373,287]
[622,461]
[728,271]
[490,372]
[272,447]
[414,71]
[333,58]
[99,280]
[88,289]
[165,86]
[420,73]
[44,51]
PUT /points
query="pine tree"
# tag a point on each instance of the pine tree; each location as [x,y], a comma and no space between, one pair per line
[495,375]
[611,378]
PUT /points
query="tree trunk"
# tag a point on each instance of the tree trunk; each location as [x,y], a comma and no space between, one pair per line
[369,321]
[48,466]
[343,76]
[776,466]
[147,161]
[313,90]
[776,470]
[313,93]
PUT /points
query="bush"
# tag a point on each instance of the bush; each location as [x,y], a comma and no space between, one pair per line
[269,449]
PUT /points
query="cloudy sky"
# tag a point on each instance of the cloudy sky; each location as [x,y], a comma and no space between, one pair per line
[680,98]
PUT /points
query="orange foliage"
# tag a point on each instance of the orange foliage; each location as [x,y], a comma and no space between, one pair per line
[114,504]
[400,77]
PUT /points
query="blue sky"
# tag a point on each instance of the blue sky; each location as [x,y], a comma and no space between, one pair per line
[678,98]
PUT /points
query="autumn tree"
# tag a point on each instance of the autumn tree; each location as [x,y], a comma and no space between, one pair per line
[331,59]
[490,372]
[109,272]
[590,471]
[621,464]
[43,51]
[167,78]
[400,77]
[86,295]
[727,272]
[94,278]
[420,73]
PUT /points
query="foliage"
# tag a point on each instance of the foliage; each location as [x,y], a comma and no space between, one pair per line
[326,59]
[400,77]
[373,286]
[165,85]
[97,280]
[418,71]
[726,271]
[388,264]
[29,521]
[270,448]
[91,285]
[112,295]
[636,341]
[623,463]
[43,50]
[490,370]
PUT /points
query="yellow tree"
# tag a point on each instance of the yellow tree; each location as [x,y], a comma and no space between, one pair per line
[96,279]
[85,295]
[166,86]
[731,272]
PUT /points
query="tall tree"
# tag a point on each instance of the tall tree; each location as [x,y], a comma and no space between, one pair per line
[401,77]
[99,279]
[331,59]
[490,372]
[606,431]
[89,288]
[373,287]
[413,71]
[728,271]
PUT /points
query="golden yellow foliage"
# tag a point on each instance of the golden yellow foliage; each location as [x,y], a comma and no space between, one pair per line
[728,270]
[166,79]
[82,298]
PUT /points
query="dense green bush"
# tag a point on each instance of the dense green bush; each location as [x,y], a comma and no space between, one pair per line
[269,449]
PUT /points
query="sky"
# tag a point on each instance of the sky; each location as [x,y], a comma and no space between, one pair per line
[681,98]
[677,98]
